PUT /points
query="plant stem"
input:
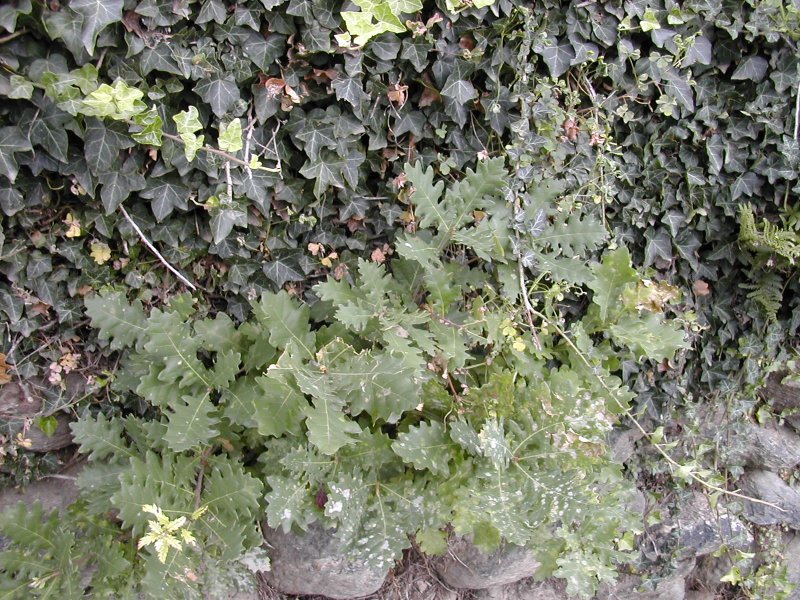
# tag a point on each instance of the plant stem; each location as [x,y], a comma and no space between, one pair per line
[152,248]
[12,36]
[672,462]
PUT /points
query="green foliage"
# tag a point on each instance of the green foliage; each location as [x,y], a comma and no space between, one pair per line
[500,452]
[646,124]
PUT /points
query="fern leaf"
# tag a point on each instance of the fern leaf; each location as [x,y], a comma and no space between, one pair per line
[170,342]
[573,235]
[329,428]
[480,188]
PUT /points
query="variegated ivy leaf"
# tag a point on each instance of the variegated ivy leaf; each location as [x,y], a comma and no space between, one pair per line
[230,136]
[188,122]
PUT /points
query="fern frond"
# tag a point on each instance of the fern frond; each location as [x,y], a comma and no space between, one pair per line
[768,237]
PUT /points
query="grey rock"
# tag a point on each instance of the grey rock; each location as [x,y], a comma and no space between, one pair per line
[54,492]
[767,486]
[700,595]
[764,447]
[623,444]
[627,588]
[702,530]
[526,589]
[466,567]
[314,563]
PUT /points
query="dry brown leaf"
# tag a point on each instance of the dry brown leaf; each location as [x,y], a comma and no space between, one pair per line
[4,368]
[701,288]
[428,97]
[398,93]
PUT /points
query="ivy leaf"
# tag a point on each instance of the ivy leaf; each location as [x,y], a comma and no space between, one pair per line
[120,321]
[316,138]
[460,90]
[330,169]
[117,186]
[753,68]
[11,142]
[425,446]
[165,195]
[102,144]
[97,15]
[610,280]
[230,136]
[698,52]
[350,89]
[224,217]
[558,57]
[219,92]
[187,123]
[283,267]
[677,87]
[191,423]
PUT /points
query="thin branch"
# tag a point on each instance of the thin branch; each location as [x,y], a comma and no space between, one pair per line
[229,181]
[528,307]
[562,334]
[12,36]
[152,248]
[797,112]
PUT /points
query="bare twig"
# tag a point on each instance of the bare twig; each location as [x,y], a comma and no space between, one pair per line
[12,36]
[229,181]
[251,121]
[152,248]
[528,308]
[797,112]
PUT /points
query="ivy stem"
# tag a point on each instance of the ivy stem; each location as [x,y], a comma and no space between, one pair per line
[528,308]
[563,335]
[152,248]
[12,36]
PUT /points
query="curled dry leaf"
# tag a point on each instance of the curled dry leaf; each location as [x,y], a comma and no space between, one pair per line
[701,288]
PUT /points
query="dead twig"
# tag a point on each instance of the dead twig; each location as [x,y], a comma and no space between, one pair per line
[153,249]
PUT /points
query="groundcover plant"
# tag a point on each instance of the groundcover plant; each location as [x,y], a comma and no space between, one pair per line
[397,268]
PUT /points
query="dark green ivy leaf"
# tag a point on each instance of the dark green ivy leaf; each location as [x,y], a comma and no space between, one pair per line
[460,90]
[97,15]
[558,58]
[117,186]
[11,142]
[350,89]
[103,143]
[283,267]
[165,196]
[221,93]
[753,68]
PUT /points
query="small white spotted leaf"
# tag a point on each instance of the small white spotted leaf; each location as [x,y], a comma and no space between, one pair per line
[347,501]
[493,444]
[426,446]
